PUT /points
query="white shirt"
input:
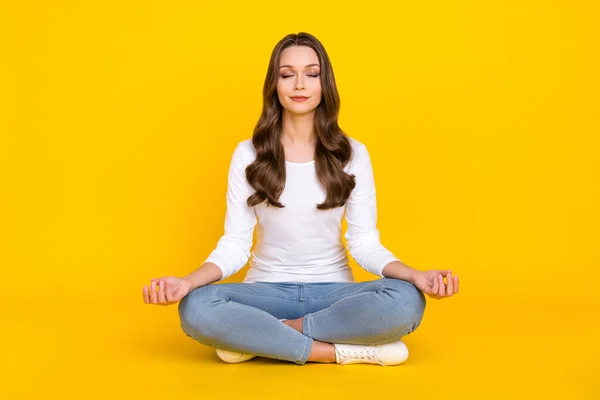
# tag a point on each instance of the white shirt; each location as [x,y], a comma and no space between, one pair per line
[299,243]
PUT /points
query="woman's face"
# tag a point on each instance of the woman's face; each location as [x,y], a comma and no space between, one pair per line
[299,75]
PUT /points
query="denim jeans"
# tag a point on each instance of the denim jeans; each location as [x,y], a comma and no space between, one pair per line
[244,317]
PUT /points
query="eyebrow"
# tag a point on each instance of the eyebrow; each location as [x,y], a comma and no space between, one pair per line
[308,66]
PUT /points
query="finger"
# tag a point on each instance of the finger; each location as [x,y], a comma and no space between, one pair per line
[156,280]
[153,293]
[432,295]
[168,293]
[161,293]
[455,283]
[442,290]
[435,287]
[146,297]
[450,291]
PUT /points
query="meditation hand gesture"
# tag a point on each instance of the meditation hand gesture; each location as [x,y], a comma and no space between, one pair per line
[170,290]
[432,283]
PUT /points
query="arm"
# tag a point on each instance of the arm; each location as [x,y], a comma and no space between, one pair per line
[233,248]
[367,250]
[232,251]
[171,289]
[206,274]
[362,234]
[399,270]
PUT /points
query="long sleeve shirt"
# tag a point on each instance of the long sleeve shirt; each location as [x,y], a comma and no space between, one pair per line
[299,243]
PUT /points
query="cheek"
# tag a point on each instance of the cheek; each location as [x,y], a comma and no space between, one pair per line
[317,89]
[284,87]
[318,94]
[281,90]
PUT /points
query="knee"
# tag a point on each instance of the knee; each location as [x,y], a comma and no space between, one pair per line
[409,301]
[194,306]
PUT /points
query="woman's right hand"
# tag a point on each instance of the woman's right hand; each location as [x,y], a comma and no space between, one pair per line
[170,290]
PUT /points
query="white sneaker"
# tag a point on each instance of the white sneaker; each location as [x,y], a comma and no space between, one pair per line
[233,357]
[393,353]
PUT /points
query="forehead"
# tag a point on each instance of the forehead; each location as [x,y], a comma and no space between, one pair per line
[298,56]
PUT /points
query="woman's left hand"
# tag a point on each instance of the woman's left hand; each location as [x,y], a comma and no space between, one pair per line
[432,283]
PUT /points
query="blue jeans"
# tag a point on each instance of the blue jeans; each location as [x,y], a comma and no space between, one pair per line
[244,317]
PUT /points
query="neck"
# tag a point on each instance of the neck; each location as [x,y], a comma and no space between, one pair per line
[298,129]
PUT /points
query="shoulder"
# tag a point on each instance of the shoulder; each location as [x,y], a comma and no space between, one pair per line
[245,153]
[357,147]
[360,155]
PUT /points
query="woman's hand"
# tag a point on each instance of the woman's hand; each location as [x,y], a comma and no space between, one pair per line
[170,290]
[432,283]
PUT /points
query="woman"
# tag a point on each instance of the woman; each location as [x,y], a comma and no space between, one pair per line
[294,180]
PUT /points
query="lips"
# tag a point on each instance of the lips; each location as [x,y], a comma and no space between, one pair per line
[299,98]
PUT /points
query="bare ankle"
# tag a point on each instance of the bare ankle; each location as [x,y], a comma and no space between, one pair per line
[322,352]
[294,323]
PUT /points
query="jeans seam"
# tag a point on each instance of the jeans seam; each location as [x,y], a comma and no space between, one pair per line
[254,294]
[306,321]
[348,292]
[390,338]
[343,300]
[306,351]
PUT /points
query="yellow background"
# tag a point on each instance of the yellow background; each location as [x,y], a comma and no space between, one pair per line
[118,121]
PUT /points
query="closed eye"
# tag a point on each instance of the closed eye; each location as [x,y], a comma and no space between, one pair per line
[287,76]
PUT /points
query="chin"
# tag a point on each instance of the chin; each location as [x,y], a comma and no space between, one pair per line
[301,110]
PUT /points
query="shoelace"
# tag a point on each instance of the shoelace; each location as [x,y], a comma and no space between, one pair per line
[367,355]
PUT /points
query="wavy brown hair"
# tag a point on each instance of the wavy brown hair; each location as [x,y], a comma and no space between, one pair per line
[333,151]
